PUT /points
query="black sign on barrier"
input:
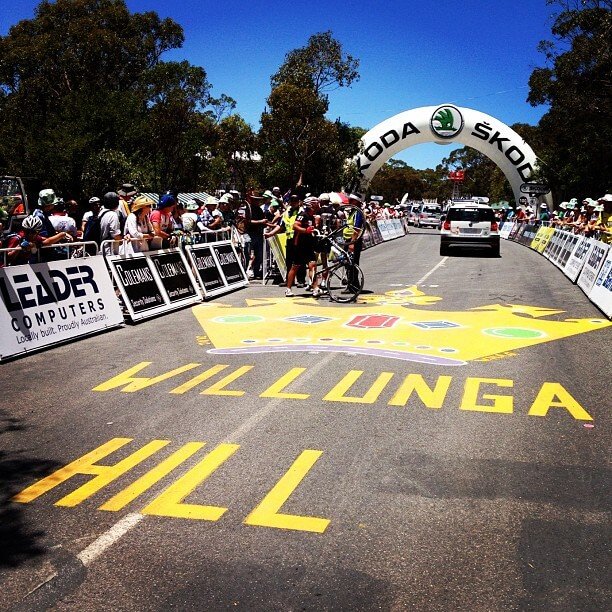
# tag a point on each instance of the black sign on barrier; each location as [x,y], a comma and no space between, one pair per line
[230,266]
[174,276]
[206,267]
[137,282]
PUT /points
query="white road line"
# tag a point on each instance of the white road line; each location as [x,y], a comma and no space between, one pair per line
[258,416]
[129,521]
[109,537]
[441,263]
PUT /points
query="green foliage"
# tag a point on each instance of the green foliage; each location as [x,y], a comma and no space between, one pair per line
[299,145]
[90,75]
[576,85]
[321,65]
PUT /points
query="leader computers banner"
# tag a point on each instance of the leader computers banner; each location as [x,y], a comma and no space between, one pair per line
[46,303]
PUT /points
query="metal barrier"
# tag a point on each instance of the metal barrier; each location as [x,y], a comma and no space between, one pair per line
[70,249]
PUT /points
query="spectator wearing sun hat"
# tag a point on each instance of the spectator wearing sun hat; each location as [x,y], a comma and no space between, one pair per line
[161,220]
[189,218]
[138,224]
[604,206]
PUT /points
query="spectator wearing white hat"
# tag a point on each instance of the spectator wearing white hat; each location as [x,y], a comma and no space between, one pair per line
[604,205]
[189,218]
[211,217]
[94,209]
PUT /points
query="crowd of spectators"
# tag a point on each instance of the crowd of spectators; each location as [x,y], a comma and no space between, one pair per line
[592,218]
[136,222]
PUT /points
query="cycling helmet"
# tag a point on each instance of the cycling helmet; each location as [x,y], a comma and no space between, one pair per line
[94,200]
[31,223]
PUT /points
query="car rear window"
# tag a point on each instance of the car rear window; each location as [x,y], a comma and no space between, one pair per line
[431,210]
[470,214]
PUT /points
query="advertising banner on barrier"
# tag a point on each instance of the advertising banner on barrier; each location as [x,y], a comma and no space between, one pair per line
[516,231]
[376,234]
[231,267]
[541,239]
[47,303]
[135,279]
[175,275]
[278,246]
[553,243]
[154,282]
[385,229]
[527,234]
[577,259]
[558,245]
[505,230]
[594,262]
[206,267]
[218,267]
[601,293]
[368,239]
[567,248]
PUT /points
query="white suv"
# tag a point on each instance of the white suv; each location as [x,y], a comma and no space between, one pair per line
[469,225]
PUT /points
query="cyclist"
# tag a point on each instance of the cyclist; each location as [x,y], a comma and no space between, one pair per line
[30,241]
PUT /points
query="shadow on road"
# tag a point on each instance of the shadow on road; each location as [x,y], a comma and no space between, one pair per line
[18,541]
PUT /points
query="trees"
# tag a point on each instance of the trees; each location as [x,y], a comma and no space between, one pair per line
[298,143]
[320,66]
[576,85]
[83,83]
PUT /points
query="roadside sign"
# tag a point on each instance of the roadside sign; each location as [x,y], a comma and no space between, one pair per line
[535,188]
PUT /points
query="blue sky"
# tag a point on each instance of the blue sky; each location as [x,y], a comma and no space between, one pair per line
[412,53]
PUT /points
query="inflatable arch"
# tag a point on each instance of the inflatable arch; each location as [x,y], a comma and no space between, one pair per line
[449,124]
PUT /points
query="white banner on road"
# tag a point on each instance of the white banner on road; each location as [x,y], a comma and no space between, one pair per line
[505,230]
[47,303]
[574,264]
[601,293]
[594,262]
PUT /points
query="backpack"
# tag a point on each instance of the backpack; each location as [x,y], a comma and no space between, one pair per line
[93,230]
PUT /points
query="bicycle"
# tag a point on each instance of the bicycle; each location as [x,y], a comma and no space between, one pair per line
[342,280]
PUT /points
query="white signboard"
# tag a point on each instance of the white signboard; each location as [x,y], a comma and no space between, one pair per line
[573,267]
[594,262]
[505,230]
[601,293]
[154,282]
[47,303]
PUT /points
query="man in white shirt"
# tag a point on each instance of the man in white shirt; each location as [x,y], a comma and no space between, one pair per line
[110,228]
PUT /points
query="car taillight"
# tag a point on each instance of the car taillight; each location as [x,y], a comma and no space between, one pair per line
[446,225]
[422,215]
[494,226]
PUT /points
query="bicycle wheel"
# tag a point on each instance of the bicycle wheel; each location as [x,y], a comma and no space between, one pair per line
[344,283]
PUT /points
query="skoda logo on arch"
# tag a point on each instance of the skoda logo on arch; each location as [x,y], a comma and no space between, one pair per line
[446,122]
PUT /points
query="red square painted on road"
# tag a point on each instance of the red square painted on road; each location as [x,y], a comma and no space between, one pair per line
[373,321]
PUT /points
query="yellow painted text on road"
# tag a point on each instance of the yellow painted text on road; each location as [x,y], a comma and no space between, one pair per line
[267,513]
[412,391]
[170,503]
[87,465]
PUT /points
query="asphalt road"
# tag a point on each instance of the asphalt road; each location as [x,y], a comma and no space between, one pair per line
[440,446]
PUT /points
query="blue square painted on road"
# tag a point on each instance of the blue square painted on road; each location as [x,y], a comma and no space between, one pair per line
[435,324]
[309,319]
